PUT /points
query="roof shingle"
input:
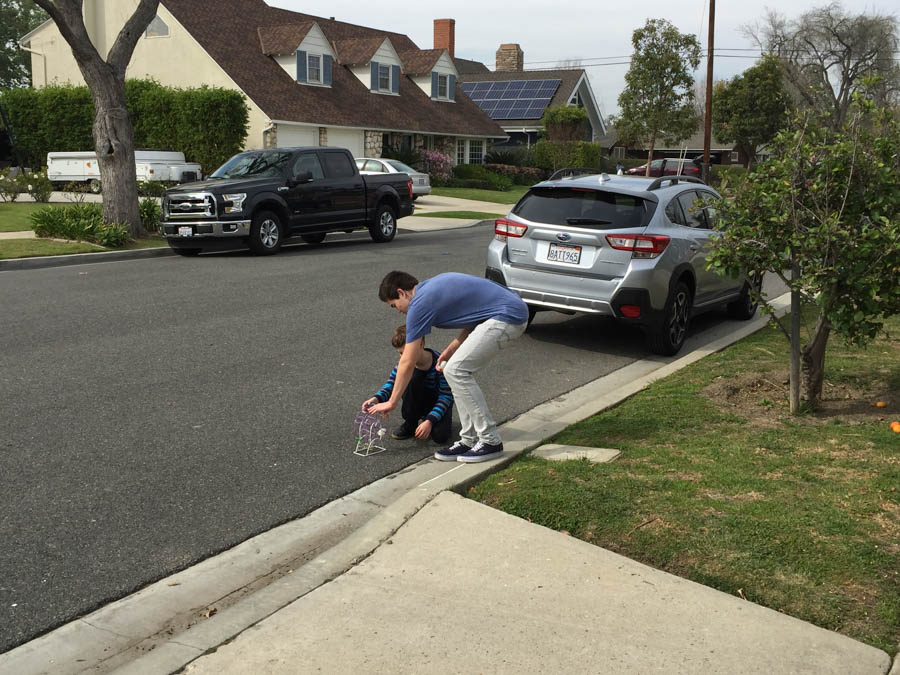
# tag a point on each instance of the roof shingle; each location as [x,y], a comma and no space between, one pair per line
[228,31]
[282,39]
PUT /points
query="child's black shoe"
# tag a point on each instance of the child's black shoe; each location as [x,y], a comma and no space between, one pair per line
[404,431]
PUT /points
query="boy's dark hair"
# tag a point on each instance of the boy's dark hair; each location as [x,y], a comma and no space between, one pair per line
[392,282]
[398,341]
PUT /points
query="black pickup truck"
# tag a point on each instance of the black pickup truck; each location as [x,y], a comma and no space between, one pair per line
[261,197]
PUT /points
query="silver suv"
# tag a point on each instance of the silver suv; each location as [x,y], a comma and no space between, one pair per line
[628,247]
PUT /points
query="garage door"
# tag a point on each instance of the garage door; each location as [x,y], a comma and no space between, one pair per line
[352,139]
[291,136]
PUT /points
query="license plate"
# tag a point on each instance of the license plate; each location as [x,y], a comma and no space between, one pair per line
[185,231]
[565,254]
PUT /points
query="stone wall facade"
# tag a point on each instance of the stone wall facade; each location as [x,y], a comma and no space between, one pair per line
[323,137]
[270,137]
[372,143]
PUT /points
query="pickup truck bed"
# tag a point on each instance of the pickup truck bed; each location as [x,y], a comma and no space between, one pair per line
[260,198]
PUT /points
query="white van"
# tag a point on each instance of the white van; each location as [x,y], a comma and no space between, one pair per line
[82,167]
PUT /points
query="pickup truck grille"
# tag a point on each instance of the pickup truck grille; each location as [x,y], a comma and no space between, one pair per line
[189,205]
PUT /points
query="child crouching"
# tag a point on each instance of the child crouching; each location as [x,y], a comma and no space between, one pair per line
[427,397]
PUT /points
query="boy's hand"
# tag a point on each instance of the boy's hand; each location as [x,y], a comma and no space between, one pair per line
[423,431]
[383,408]
[368,403]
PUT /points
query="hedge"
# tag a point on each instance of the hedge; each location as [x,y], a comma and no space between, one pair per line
[554,155]
[207,124]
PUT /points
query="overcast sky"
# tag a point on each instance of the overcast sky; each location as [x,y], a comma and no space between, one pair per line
[594,32]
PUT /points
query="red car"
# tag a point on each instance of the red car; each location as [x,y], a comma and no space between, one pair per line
[669,167]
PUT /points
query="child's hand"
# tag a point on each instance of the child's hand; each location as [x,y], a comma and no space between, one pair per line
[423,431]
[368,403]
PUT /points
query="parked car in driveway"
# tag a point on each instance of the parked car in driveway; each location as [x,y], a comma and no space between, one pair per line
[370,165]
[261,197]
[626,247]
[669,167]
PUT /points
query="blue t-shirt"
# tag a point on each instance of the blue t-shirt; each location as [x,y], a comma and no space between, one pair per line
[454,300]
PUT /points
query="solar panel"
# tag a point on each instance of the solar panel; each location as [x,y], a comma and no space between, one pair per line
[513,100]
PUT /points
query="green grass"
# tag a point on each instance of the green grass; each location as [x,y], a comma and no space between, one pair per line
[14,217]
[717,483]
[510,196]
[30,248]
[466,215]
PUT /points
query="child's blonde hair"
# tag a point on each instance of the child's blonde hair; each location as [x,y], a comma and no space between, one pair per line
[398,341]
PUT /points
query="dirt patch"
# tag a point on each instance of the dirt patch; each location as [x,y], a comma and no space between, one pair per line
[762,398]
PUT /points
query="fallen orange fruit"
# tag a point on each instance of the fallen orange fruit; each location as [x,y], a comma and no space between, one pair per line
[880,404]
[895,427]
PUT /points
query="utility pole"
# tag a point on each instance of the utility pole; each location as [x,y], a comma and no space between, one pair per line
[707,122]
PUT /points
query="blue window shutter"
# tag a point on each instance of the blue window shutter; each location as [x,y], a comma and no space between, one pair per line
[327,61]
[395,79]
[301,66]
[434,84]
[451,87]
[374,69]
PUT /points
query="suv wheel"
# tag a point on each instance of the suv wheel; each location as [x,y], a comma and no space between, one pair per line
[668,338]
[265,233]
[744,308]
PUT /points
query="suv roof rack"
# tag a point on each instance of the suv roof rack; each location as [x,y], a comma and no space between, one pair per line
[673,180]
[572,171]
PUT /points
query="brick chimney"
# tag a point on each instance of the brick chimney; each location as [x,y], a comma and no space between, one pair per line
[510,57]
[445,34]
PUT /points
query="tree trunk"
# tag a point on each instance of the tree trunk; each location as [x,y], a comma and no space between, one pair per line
[795,338]
[650,157]
[813,358]
[114,142]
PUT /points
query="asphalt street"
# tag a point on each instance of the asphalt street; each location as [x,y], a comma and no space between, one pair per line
[156,412]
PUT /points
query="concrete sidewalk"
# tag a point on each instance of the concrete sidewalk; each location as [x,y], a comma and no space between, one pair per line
[463,588]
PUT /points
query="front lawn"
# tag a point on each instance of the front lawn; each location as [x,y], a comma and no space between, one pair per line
[14,217]
[510,196]
[717,483]
[30,248]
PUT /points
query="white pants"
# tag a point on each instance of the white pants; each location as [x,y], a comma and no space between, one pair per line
[474,353]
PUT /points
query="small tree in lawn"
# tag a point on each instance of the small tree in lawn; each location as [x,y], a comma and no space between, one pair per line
[658,100]
[751,108]
[113,131]
[824,215]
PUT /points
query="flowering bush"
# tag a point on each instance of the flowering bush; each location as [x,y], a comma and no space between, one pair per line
[437,166]
[519,175]
[38,186]
[10,187]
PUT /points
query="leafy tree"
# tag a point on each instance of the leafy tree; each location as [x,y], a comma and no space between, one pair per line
[829,53]
[17,18]
[752,107]
[565,123]
[824,215]
[658,100]
[113,131]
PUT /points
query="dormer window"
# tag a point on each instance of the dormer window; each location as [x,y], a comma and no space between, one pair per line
[157,28]
[442,86]
[314,68]
[384,77]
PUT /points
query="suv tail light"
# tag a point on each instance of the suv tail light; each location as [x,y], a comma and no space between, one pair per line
[506,228]
[409,187]
[640,245]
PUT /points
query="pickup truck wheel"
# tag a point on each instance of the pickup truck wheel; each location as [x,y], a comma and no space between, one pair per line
[265,233]
[668,338]
[385,226]
[94,186]
[187,251]
[313,238]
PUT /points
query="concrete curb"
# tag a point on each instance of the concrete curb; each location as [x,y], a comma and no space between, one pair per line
[162,628]
[41,262]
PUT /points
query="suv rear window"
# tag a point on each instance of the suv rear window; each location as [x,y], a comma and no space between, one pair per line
[580,207]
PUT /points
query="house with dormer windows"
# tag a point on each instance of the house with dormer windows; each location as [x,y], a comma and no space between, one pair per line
[308,80]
